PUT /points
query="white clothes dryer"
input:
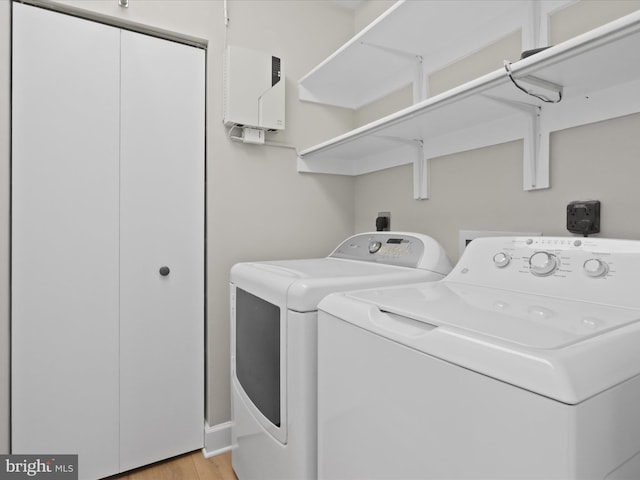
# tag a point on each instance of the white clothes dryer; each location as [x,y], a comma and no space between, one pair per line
[274,348]
[524,362]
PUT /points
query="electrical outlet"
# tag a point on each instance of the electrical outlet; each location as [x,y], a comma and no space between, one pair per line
[383,222]
[584,217]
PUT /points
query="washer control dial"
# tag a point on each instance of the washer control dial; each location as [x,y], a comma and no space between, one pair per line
[374,246]
[501,259]
[594,267]
[543,263]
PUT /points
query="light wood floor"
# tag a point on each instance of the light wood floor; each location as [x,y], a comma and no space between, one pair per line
[190,466]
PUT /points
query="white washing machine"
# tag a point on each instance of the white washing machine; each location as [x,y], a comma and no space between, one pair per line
[273,342]
[523,362]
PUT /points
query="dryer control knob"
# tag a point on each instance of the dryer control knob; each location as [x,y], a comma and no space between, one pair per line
[542,264]
[501,260]
[375,246]
[594,267]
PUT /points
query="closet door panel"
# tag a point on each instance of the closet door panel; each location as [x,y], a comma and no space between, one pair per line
[64,278]
[162,225]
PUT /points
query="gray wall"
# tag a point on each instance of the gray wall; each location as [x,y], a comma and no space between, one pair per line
[482,189]
[258,206]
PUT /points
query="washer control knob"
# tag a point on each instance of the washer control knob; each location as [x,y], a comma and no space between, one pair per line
[542,264]
[501,260]
[374,246]
[594,267]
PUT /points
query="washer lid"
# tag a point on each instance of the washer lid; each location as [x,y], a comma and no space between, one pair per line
[531,321]
[565,350]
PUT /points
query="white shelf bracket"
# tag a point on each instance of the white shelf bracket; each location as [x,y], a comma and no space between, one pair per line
[535,167]
[535,155]
[420,166]
[532,34]
[535,26]
[421,173]
[536,139]
[419,83]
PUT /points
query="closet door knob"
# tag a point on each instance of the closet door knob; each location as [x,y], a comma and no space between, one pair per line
[164,271]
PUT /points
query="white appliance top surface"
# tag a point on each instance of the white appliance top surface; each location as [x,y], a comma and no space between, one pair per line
[567,332]
[525,320]
[301,284]
[310,269]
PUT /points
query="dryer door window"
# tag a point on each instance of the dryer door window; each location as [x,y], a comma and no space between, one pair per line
[258,352]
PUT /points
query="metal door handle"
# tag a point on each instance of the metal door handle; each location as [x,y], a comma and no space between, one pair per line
[164,271]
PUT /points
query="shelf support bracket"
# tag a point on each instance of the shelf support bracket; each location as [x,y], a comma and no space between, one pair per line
[419,84]
[532,35]
[535,155]
[420,166]
[421,173]
[535,28]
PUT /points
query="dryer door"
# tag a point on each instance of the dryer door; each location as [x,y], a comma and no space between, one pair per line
[257,362]
[258,352]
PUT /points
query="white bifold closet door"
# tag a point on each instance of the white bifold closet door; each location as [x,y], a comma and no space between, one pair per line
[107,188]
[161,225]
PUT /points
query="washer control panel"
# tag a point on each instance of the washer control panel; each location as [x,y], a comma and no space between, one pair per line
[590,269]
[395,248]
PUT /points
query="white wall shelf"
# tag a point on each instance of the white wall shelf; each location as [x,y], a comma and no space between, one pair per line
[596,72]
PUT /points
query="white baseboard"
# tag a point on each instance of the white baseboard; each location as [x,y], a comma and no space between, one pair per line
[217,439]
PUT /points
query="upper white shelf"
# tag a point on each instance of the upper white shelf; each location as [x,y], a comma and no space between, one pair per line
[599,75]
[414,38]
